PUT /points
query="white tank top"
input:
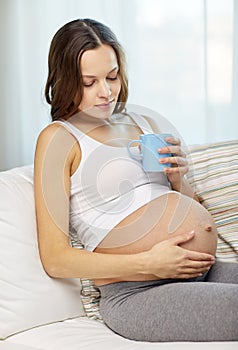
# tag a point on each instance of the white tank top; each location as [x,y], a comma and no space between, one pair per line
[108,186]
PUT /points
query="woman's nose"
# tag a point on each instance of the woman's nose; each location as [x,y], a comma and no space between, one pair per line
[104,90]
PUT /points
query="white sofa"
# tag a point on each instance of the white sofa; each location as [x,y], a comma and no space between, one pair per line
[38,312]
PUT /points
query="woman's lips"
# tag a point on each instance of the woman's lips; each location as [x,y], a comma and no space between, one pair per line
[105,105]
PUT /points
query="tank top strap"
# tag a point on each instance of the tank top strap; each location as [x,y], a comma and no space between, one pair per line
[87,143]
[70,127]
[142,123]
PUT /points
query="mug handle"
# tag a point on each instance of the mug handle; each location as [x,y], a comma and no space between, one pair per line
[134,155]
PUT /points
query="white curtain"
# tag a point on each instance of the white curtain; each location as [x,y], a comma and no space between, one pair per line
[182,62]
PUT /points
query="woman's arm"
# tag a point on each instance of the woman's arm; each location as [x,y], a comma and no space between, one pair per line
[54,164]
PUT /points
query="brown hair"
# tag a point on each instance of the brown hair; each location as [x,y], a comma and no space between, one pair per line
[64,81]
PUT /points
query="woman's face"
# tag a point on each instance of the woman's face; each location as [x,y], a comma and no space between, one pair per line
[101,82]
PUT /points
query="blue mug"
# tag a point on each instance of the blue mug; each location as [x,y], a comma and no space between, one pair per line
[149,151]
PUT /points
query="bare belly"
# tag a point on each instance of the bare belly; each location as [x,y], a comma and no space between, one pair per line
[162,218]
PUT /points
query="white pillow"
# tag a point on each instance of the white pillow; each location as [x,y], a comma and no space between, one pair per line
[28,296]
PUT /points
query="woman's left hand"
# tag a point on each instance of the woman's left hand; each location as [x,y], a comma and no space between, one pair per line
[178,160]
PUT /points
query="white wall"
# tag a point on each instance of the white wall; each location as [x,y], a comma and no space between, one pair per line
[181,61]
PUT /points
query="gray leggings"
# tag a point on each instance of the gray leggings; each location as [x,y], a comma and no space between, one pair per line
[175,310]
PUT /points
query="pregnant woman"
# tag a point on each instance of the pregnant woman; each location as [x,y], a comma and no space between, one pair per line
[149,244]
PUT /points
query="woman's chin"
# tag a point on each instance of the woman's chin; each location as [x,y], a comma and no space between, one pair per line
[102,112]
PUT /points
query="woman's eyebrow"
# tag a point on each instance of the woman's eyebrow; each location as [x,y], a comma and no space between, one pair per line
[94,76]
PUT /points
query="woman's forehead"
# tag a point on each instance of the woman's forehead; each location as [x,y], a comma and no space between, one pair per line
[99,60]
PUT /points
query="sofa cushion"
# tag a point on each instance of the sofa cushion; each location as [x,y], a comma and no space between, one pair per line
[214,177]
[28,296]
[84,334]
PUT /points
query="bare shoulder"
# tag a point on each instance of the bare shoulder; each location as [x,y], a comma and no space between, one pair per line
[54,133]
[54,141]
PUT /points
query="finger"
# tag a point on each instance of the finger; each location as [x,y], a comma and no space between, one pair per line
[173,140]
[194,265]
[181,238]
[188,275]
[197,256]
[184,275]
[195,271]
[175,150]
[199,266]
[174,160]
[176,170]
[182,154]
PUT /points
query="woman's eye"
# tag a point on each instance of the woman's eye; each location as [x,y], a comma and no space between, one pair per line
[88,84]
[112,78]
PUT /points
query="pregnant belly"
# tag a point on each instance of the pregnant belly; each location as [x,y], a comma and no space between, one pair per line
[162,218]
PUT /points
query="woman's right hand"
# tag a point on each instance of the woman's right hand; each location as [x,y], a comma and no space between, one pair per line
[168,260]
